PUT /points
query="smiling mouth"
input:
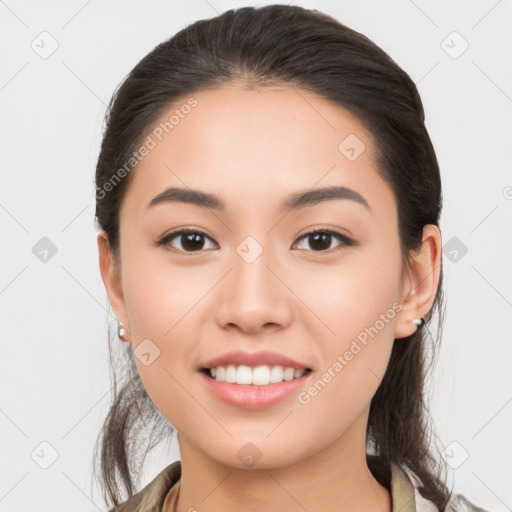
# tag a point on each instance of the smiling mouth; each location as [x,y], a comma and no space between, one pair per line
[262,375]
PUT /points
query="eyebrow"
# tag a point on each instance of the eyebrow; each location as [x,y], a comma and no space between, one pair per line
[292,202]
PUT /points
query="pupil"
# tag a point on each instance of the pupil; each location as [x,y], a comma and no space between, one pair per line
[193,241]
[321,237]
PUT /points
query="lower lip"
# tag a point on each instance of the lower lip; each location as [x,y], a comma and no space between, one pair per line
[249,396]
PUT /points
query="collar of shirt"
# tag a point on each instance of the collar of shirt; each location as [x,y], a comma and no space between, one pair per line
[162,492]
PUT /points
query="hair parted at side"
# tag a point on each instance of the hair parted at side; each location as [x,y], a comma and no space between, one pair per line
[280,44]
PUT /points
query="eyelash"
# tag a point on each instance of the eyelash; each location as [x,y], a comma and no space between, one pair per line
[345,241]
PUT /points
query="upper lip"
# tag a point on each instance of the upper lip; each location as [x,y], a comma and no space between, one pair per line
[264,357]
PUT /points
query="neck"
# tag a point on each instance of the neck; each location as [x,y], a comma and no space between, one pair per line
[336,478]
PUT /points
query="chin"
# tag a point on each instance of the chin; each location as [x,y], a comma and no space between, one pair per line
[257,454]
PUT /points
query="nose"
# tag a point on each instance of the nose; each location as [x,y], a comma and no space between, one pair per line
[254,295]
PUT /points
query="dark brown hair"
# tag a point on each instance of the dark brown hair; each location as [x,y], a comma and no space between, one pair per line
[256,47]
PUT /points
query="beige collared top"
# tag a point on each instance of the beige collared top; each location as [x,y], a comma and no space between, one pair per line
[162,492]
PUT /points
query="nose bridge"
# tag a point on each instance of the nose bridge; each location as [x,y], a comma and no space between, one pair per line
[254,296]
[252,276]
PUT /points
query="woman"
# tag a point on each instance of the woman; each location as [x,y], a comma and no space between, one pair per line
[268,200]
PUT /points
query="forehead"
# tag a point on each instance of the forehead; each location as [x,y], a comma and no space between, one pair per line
[261,143]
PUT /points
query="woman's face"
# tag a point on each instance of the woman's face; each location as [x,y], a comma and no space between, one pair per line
[252,280]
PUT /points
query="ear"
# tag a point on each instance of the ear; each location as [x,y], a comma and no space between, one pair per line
[421,281]
[110,273]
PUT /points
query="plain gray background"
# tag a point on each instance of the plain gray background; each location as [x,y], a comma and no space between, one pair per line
[54,375]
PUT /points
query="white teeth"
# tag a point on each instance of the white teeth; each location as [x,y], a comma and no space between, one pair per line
[230,374]
[276,374]
[289,374]
[259,376]
[243,375]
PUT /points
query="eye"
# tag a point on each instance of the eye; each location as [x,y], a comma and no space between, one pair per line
[189,240]
[321,240]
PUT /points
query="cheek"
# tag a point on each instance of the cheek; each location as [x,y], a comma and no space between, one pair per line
[358,304]
[160,297]
[348,298]
[354,362]
[164,304]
